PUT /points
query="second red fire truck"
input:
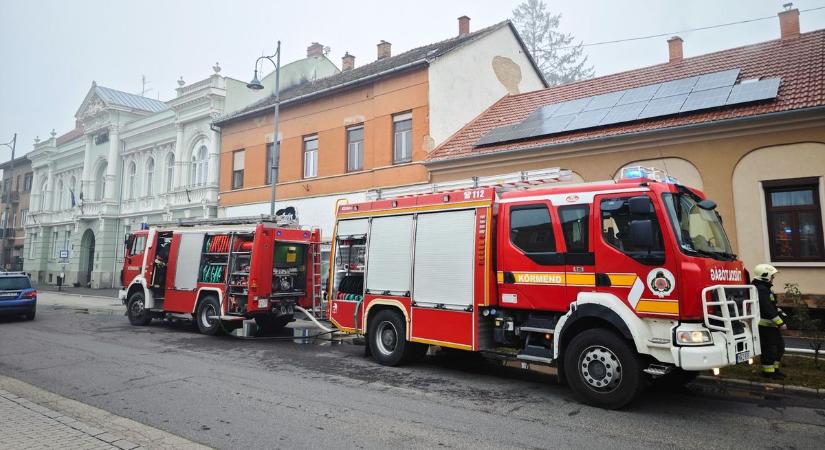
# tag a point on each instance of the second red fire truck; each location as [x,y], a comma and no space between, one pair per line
[615,283]
[222,273]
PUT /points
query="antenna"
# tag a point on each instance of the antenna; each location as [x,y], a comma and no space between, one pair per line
[144,83]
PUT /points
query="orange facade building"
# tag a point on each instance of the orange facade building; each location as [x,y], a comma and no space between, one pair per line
[367,127]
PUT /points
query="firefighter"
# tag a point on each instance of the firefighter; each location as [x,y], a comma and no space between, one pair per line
[770,323]
[161,260]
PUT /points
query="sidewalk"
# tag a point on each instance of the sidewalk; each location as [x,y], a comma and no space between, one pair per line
[34,418]
[89,292]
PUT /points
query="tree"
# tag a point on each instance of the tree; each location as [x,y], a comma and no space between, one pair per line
[557,57]
[802,320]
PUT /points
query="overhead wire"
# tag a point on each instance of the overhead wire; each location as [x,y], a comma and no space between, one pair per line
[671,33]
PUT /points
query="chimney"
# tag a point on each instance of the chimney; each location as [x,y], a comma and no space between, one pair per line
[674,47]
[789,22]
[384,50]
[315,49]
[463,26]
[347,62]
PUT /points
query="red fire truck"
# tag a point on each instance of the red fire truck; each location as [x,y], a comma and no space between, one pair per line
[617,284]
[222,273]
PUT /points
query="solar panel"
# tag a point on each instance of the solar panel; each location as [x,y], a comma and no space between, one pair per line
[543,112]
[639,94]
[603,101]
[623,113]
[676,87]
[572,107]
[549,126]
[711,98]
[663,106]
[587,119]
[496,135]
[754,91]
[716,80]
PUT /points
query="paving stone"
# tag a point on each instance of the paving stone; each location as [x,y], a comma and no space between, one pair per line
[124,444]
[108,437]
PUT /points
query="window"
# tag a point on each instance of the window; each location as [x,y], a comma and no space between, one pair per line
[17,184]
[27,182]
[616,223]
[44,188]
[311,156]
[59,205]
[24,214]
[200,166]
[268,165]
[32,243]
[72,184]
[100,190]
[138,244]
[54,245]
[794,220]
[66,237]
[355,148]
[574,225]
[170,171]
[150,175]
[402,138]
[237,169]
[132,174]
[13,218]
[4,219]
[531,229]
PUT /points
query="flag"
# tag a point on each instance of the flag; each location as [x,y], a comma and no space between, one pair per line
[73,200]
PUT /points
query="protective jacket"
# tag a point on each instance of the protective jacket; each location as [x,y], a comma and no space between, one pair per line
[770,314]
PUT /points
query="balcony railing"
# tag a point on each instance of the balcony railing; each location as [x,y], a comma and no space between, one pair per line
[11,197]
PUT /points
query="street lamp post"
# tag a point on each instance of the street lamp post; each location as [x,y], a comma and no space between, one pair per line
[276,143]
[11,144]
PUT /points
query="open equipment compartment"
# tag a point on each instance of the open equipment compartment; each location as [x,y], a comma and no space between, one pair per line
[350,259]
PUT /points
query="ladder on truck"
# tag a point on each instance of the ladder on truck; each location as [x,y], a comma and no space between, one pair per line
[526,179]
[319,303]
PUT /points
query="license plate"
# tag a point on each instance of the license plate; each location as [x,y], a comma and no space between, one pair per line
[263,303]
[742,357]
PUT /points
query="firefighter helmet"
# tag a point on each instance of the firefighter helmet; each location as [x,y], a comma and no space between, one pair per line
[764,272]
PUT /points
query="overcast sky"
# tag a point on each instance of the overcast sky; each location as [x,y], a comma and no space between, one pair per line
[50,51]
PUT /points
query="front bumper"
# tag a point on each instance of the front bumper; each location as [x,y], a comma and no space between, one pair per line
[121,295]
[720,353]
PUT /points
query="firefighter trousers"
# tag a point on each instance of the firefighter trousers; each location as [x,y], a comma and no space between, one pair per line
[773,346]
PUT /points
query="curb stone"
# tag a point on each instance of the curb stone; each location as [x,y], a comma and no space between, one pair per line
[761,388]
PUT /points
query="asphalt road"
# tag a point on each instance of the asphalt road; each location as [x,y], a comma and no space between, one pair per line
[229,393]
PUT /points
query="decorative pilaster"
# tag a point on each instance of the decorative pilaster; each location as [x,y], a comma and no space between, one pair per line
[112,169]
[86,180]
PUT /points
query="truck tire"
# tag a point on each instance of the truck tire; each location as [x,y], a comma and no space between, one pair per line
[387,339]
[602,369]
[209,306]
[136,310]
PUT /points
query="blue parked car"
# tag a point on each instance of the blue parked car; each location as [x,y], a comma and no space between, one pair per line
[17,297]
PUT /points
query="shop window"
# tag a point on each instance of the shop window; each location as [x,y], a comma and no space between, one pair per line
[794,220]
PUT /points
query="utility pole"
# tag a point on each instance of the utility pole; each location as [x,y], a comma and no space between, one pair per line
[12,145]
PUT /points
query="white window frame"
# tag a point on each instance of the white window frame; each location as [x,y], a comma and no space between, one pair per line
[150,175]
[55,250]
[310,157]
[170,171]
[32,242]
[355,148]
[131,174]
[404,154]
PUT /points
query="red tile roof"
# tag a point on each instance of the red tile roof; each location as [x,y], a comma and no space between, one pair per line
[800,62]
[70,136]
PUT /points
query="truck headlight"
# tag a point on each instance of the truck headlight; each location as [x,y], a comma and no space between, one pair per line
[693,337]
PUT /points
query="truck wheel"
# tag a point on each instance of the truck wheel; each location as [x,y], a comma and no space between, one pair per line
[208,307]
[602,369]
[387,339]
[136,310]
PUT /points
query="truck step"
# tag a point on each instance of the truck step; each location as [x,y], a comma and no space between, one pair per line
[541,359]
[227,318]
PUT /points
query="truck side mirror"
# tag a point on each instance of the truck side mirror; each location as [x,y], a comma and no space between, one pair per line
[641,233]
[640,206]
[707,205]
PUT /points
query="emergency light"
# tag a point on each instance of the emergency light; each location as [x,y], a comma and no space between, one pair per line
[648,173]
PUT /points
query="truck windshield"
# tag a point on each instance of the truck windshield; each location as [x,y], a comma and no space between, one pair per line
[699,231]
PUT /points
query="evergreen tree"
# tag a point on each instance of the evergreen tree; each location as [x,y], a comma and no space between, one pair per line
[557,57]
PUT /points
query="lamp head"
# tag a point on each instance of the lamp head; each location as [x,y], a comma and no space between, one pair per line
[255,84]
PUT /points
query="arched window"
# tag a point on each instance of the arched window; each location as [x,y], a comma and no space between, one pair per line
[131,174]
[150,175]
[200,166]
[100,179]
[58,206]
[170,171]
[72,191]
[43,189]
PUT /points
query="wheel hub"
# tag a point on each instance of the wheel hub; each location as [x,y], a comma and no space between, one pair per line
[137,308]
[206,312]
[387,338]
[600,369]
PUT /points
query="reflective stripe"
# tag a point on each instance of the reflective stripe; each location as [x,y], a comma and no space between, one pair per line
[768,369]
[766,323]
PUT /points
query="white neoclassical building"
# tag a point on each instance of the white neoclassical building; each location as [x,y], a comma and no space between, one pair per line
[130,160]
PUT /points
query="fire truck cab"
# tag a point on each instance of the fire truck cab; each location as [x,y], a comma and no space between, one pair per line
[221,274]
[617,284]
